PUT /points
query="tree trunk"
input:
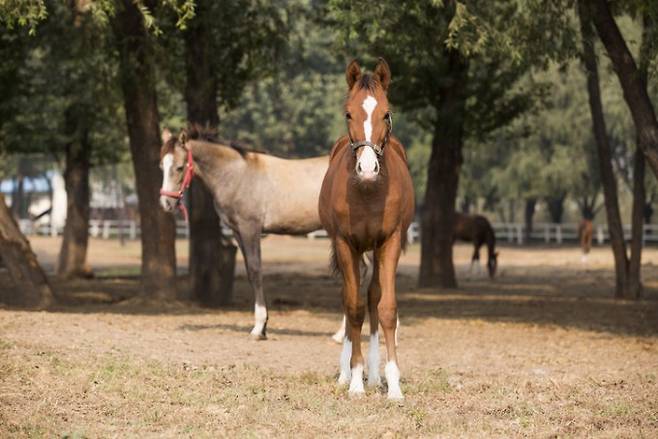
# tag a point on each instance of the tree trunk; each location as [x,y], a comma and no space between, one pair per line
[16,254]
[637,231]
[556,208]
[137,68]
[436,264]
[73,252]
[212,260]
[604,154]
[639,191]
[528,216]
[635,90]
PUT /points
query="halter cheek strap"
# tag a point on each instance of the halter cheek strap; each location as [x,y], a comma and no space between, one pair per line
[378,148]
[187,180]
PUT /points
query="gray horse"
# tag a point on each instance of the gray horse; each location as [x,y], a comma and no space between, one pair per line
[254,193]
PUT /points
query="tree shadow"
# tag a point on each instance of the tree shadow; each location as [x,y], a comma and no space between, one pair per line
[569,297]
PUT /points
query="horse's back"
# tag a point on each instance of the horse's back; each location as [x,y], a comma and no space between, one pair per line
[292,188]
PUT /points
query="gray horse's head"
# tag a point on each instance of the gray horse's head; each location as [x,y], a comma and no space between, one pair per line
[173,158]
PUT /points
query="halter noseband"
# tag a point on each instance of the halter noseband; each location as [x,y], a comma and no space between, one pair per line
[379,149]
[187,180]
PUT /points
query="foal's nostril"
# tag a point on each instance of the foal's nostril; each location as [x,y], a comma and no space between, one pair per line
[376,167]
[358,168]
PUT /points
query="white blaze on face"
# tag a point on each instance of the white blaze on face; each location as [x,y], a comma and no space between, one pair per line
[167,163]
[367,166]
[369,105]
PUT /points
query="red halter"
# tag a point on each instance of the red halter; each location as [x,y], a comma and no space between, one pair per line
[187,179]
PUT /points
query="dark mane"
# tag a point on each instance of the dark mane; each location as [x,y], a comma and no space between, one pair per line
[206,134]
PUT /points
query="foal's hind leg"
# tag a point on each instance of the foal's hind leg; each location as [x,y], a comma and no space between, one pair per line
[249,241]
[387,259]
[348,262]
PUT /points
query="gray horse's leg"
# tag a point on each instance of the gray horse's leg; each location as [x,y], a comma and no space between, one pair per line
[250,246]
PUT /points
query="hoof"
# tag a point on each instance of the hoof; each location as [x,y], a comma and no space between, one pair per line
[374,382]
[395,395]
[356,394]
[344,379]
[258,336]
[338,337]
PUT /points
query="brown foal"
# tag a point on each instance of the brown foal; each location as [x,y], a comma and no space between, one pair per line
[367,203]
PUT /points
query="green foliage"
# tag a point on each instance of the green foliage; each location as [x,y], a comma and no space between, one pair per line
[22,13]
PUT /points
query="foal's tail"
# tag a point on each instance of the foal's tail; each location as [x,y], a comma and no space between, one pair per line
[367,261]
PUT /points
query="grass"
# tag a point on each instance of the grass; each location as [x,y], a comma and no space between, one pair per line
[51,395]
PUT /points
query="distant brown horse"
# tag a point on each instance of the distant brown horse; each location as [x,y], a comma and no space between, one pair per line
[585,233]
[367,203]
[478,230]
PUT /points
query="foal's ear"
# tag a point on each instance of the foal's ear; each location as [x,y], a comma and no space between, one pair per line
[383,73]
[352,73]
[166,135]
[182,138]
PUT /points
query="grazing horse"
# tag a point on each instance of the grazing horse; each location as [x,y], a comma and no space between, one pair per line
[254,193]
[585,233]
[366,204]
[478,230]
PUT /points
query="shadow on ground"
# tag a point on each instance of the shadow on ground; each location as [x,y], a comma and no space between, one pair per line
[529,295]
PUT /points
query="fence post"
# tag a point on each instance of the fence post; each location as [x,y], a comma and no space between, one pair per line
[519,234]
[599,235]
[558,233]
[106,229]
[133,230]
[547,233]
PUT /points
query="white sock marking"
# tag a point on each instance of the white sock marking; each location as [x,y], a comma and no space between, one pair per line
[345,357]
[392,374]
[260,317]
[356,385]
[340,334]
[373,361]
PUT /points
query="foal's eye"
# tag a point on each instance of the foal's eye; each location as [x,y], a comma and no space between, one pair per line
[180,168]
[348,116]
[387,116]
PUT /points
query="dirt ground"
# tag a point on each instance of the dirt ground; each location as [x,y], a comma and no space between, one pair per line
[541,351]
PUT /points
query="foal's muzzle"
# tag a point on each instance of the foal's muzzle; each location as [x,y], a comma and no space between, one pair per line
[367,164]
[168,203]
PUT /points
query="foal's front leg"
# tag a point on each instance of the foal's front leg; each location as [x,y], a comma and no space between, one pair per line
[387,258]
[351,361]
[249,240]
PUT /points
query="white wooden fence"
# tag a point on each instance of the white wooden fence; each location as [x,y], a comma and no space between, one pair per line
[505,232]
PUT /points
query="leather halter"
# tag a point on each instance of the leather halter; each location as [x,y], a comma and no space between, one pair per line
[187,180]
[379,149]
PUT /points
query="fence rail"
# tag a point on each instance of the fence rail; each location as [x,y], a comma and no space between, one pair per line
[505,232]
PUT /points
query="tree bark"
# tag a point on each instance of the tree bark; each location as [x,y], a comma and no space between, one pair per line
[639,190]
[212,259]
[528,216]
[556,208]
[604,154]
[33,289]
[75,238]
[436,264]
[637,231]
[635,91]
[137,69]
